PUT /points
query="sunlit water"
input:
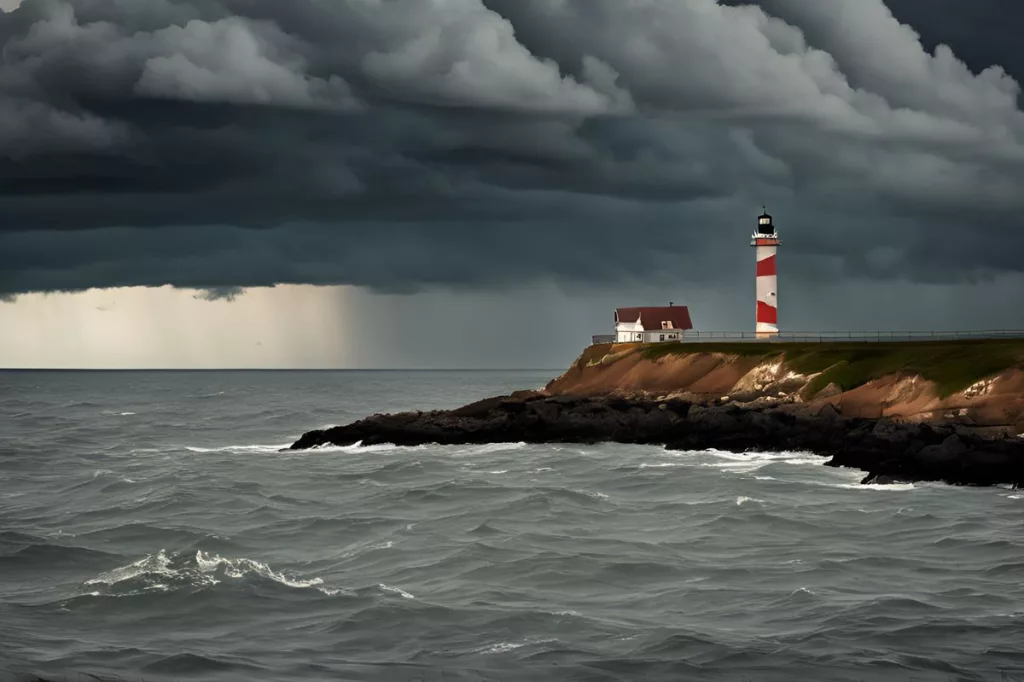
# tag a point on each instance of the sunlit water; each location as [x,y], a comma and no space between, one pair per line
[149,526]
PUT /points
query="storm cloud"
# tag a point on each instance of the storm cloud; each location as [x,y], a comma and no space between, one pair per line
[403,144]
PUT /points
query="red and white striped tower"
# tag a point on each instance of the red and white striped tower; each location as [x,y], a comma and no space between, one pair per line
[766,241]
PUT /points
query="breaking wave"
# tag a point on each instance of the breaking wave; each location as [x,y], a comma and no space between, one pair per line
[125,550]
[163,572]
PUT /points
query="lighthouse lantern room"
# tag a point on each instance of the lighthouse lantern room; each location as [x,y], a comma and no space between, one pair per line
[766,241]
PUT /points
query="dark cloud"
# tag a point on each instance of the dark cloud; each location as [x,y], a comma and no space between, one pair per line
[481,143]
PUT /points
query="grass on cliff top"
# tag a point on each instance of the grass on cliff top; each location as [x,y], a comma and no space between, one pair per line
[951,365]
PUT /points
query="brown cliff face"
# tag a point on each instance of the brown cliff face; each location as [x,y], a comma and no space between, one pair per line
[980,385]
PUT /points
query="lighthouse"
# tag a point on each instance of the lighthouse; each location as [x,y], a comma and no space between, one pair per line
[766,242]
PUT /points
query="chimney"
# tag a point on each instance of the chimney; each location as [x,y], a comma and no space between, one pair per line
[671,304]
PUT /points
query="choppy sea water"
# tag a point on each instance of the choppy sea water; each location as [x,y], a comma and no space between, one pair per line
[150,527]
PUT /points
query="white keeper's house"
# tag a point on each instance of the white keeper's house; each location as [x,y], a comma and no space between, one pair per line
[651,325]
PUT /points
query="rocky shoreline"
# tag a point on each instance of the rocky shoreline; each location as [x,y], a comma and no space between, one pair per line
[888,450]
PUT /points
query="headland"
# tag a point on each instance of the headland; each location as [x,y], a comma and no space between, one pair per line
[950,411]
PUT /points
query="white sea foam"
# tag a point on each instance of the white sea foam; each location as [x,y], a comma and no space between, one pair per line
[499,472]
[742,500]
[396,590]
[163,573]
[239,448]
[500,648]
[359,448]
[241,568]
[356,448]
[752,461]
[152,564]
[486,449]
[663,465]
[893,487]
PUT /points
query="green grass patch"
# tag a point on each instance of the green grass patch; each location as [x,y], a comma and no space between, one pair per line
[952,365]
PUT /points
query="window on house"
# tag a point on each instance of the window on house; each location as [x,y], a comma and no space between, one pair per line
[662,337]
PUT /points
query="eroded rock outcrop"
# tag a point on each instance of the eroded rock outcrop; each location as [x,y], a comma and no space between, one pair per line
[888,450]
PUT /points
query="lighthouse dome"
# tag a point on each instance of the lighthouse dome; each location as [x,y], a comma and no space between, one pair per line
[765,224]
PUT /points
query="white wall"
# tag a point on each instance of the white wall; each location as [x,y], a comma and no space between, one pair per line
[628,332]
[657,335]
[633,333]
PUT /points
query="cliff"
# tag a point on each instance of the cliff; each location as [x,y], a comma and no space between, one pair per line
[941,411]
[972,383]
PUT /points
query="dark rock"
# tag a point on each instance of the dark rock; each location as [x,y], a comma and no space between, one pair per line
[889,451]
[881,479]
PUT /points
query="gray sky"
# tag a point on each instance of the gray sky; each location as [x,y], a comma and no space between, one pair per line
[479,182]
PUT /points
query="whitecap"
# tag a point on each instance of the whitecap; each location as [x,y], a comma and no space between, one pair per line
[159,564]
[163,573]
[873,486]
[487,448]
[358,448]
[240,568]
[239,448]
[500,648]
[662,465]
[355,447]
[499,472]
[396,590]
[742,500]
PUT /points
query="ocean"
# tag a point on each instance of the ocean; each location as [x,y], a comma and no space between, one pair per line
[150,528]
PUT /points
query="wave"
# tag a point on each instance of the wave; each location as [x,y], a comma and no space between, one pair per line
[752,461]
[500,648]
[476,450]
[891,487]
[268,449]
[41,554]
[163,572]
[189,664]
[396,590]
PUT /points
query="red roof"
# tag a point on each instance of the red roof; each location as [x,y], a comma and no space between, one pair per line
[652,318]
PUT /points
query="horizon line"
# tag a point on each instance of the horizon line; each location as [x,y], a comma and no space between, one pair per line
[280,369]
